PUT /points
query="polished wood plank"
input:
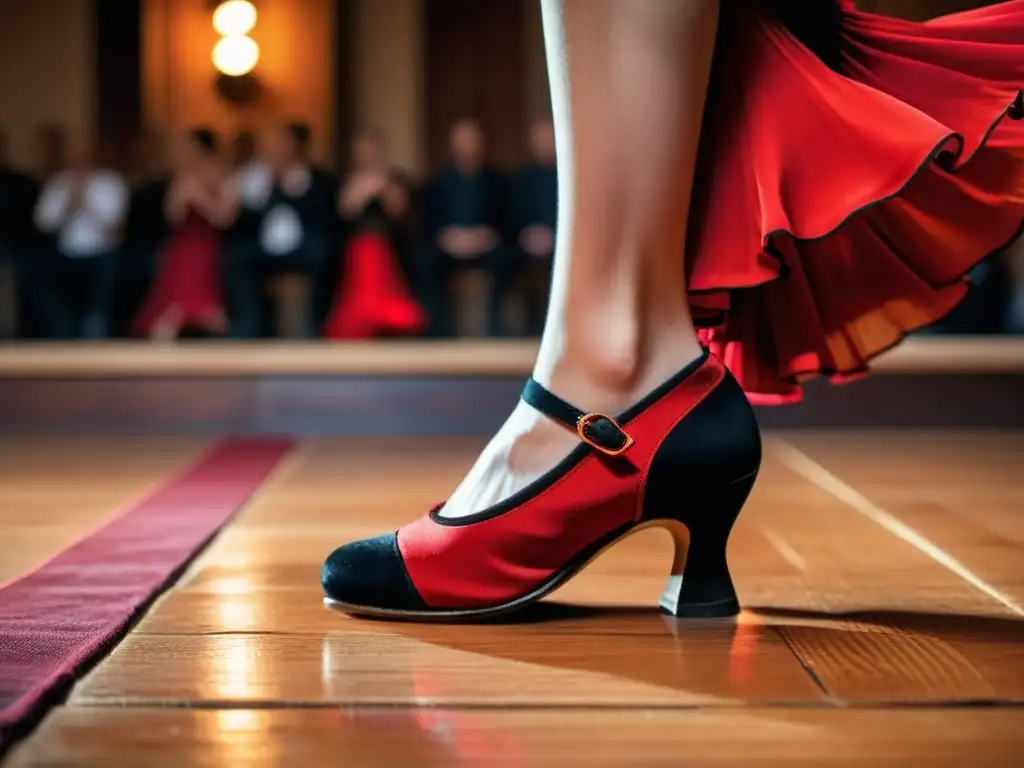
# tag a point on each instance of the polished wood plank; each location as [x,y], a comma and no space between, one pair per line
[90,736]
[876,618]
[963,492]
[251,566]
[630,661]
[54,491]
[417,358]
[260,582]
[140,359]
[240,663]
[845,562]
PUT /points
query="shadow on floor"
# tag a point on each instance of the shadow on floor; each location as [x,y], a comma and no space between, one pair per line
[767,655]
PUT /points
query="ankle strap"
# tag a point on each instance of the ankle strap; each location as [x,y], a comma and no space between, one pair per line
[595,429]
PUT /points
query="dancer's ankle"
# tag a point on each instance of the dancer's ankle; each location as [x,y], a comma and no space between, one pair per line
[612,366]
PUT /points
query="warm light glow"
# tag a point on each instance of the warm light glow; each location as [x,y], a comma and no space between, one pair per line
[236,55]
[234,18]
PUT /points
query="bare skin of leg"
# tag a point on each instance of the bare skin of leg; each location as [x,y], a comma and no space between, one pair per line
[628,83]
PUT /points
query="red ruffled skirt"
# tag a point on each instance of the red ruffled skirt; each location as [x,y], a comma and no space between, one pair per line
[834,213]
[372,299]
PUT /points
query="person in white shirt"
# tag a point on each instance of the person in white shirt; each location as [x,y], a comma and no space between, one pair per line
[83,209]
[287,224]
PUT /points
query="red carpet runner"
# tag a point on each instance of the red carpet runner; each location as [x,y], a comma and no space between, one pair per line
[55,620]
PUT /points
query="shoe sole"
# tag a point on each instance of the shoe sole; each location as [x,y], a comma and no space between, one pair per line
[669,602]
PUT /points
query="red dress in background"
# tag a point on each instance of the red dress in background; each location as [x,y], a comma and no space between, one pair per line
[372,297]
[837,208]
[188,278]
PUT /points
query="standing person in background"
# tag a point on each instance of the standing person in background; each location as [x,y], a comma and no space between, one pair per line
[201,201]
[145,230]
[84,206]
[287,226]
[535,212]
[372,298]
[465,221]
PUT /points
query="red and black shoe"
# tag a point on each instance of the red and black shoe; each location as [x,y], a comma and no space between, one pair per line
[684,458]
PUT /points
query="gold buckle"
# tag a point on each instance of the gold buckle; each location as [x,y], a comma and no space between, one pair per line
[586,419]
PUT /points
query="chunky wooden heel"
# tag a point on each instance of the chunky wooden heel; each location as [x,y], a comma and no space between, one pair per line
[700,585]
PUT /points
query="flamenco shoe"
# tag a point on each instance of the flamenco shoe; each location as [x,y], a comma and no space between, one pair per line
[684,459]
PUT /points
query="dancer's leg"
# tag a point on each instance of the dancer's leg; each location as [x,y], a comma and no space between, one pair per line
[628,82]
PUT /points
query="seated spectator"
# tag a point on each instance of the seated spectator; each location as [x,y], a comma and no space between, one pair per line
[372,298]
[535,212]
[145,231]
[186,294]
[464,225]
[84,207]
[287,225]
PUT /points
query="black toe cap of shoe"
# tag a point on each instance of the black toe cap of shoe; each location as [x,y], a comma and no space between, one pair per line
[371,573]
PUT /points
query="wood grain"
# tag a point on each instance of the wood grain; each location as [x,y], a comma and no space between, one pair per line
[171,738]
[855,647]
[53,491]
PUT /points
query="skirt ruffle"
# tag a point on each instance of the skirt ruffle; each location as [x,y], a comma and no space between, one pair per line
[836,212]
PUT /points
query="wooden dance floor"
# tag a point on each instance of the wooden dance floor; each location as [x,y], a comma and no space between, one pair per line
[882,576]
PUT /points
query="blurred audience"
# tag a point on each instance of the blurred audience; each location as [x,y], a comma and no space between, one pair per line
[83,207]
[465,225]
[37,304]
[373,202]
[17,199]
[201,201]
[210,240]
[535,212]
[49,152]
[243,152]
[286,226]
[145,229]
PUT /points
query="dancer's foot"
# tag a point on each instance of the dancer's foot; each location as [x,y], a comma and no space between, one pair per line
[530,444]
[683,458]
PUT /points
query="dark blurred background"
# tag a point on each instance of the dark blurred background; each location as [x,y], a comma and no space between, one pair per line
[319,169]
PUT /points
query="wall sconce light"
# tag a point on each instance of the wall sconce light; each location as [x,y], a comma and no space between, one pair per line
[236,55]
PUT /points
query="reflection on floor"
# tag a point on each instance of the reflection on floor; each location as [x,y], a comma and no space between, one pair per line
[881,573]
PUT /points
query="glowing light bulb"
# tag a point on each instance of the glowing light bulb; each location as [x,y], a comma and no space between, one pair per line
[234,18]
[236,55]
